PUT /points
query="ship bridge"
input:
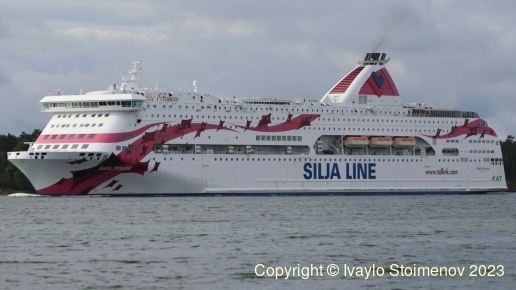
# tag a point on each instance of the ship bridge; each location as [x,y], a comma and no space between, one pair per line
[92,103]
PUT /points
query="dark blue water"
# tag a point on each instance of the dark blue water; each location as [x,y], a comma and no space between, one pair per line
[216,242]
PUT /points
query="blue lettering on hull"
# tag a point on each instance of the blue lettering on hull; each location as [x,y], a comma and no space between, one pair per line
[319,171]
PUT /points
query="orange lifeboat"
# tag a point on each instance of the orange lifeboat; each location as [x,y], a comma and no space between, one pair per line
[385,141]
[404,142]
[356,141]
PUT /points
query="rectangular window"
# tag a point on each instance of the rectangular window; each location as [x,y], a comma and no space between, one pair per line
[268,138]
[93,115]
[87,125]
[93,125]
[62,136]
[64,146]
[47,147]
[299,138]
[273,138]
[99,115]
[106,115]
[289,138]
[82,125]
[100,124]
[39,147]
[71,136]
[54,125]
[118,148]
[91,136]
[74,125]
[74,146]
[54,136]
[283,138]
[257,137]
[81,136]
[84,146]
[62,126]
[262,137]
[46,137]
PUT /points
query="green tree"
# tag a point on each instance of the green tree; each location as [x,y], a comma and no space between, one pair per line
[509,160]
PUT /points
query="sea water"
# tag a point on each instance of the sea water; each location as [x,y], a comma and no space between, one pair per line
[272,242]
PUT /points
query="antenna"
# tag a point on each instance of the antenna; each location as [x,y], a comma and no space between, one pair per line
[195,86]
[61,78]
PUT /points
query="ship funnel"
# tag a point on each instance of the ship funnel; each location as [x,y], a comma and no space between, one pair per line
[374,58]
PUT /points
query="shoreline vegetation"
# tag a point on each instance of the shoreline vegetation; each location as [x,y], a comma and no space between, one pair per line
[13,180]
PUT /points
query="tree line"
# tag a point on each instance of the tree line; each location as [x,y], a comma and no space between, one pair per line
[12,179]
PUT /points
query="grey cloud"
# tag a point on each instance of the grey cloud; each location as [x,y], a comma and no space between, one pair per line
[283,49]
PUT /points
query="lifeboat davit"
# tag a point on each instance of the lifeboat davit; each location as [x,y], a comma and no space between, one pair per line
[358,141]
[404,142]
[380,141]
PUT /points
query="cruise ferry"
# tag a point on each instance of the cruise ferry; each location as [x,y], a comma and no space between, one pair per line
[359,138]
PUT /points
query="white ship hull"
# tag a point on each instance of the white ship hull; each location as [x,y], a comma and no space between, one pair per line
[273,174]
[145,141]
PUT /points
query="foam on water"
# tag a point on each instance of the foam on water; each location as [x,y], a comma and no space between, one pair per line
[23,194]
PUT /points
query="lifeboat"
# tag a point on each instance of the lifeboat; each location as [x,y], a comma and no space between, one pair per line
[380,141]
[404,142]
[356,141]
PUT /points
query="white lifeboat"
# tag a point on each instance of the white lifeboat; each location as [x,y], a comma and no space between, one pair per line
[404,142]
[356,141]
[385,141]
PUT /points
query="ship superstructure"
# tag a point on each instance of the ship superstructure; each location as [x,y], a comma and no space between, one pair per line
[358,139]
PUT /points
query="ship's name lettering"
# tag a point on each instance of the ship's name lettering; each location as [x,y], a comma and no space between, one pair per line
[332,171]
[116,168]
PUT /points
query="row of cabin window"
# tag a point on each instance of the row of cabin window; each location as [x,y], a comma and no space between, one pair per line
[320,159]
[310,159]
[368,129]
[84,115]
[130,148]
[71,136]
[93,104]
[65,146]
[324,119]
[481,151]
[483,141]
[278,138]
[75,125]
[171,107]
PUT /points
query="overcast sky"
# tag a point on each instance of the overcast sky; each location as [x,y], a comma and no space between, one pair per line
[452,53]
